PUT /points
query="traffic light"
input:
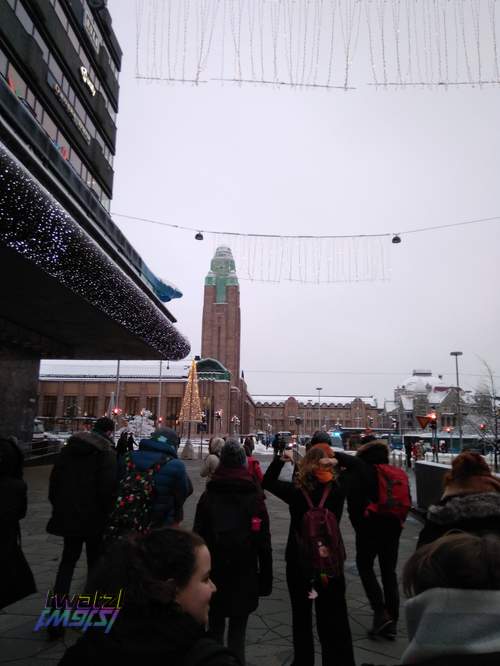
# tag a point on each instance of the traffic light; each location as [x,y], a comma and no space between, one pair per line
[160,419]
[482,427]
[448,429]
[117,411]
[433,420]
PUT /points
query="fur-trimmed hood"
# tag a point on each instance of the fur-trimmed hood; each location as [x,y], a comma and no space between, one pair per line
[453,510]
[375,452]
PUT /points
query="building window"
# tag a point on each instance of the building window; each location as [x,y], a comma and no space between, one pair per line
[90,405]
[132,405]
[23,16]
[16,82]
[49,405]
[152,404]
[172,411]
[70,407]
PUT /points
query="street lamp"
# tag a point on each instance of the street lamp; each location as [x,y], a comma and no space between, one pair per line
[456,354]
[319,389]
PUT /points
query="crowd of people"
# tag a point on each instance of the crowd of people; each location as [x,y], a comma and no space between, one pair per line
[188,595]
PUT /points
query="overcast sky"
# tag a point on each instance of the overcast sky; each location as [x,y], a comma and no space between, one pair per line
[256,159]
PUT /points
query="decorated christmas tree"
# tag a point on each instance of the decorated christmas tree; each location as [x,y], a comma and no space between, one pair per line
[190,408]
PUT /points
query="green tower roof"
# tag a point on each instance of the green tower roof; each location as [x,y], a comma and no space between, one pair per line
[222,273]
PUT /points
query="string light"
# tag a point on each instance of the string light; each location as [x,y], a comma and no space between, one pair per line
[300,44]
[36,227]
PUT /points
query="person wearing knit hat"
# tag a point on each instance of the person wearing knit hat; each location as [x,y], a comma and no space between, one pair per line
[377,535]
[233,454]
[232,518]
[470,500]
[172,484]
[319,437]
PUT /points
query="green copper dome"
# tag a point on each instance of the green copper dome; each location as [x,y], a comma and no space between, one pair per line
[222,273]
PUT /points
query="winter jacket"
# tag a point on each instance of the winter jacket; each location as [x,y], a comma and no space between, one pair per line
[82,486]
[254,469]
[360,482]
[297,504]
[155,638]
[246,573]
[16,579]
[172,484]
[209,466]
[478,513]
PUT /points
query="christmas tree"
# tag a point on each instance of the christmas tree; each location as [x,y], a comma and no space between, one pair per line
[190,409]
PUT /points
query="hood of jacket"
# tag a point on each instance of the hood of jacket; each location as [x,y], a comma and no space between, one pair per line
[443,621]
[86,443]
[375,453]
[452,510]
[229,478]
[164,448]
[477,483]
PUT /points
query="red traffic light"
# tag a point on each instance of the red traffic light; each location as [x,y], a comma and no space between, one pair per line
[482,426]
[448,429]
[160,419]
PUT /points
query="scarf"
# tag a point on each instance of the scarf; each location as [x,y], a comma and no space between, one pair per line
[445,621]
[323,475]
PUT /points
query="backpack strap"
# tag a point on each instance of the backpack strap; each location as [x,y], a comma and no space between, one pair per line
[326,491]
[308,499]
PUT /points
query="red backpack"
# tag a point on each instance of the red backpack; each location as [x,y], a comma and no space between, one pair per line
[320,542]
[393,493]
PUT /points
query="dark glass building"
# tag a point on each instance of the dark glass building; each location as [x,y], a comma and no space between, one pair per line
[73,287]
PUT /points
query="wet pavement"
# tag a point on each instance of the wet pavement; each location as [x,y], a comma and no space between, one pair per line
[269,628]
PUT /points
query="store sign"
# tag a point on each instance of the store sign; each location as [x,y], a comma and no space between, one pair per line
[70,111]
[91,31]
[85,78]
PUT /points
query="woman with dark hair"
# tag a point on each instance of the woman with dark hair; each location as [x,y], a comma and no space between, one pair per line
[165,578]
[16,578]
[314,479]
[470,500]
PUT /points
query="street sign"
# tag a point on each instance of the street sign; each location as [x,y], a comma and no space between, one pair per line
[424,421]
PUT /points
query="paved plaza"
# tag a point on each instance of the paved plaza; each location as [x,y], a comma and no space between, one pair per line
[269,632]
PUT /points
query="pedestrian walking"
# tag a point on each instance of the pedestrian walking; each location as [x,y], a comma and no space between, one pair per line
[81,490]
[166,588]
[211,462]
[470,500]
[122,444]
[172,485]
[232,518]
[253,464]
[314,490]
[371,484]
[16,578]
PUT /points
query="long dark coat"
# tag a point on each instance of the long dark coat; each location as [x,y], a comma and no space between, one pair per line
[82,486]
[16,579]
[238,586]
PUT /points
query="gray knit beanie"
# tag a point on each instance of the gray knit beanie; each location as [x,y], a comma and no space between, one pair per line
[233,454]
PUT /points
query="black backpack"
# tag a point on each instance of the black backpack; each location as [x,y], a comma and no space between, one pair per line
[133,510]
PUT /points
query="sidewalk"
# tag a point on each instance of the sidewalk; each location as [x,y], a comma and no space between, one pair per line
[269,630]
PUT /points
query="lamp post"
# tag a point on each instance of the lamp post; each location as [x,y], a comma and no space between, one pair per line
[319,389]
[456,354]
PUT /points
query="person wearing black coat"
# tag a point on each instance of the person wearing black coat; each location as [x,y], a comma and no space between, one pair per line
[376,536]
[332,620]
[81,490]
[166,590]
[16,578]
[470,501]
[241,568]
